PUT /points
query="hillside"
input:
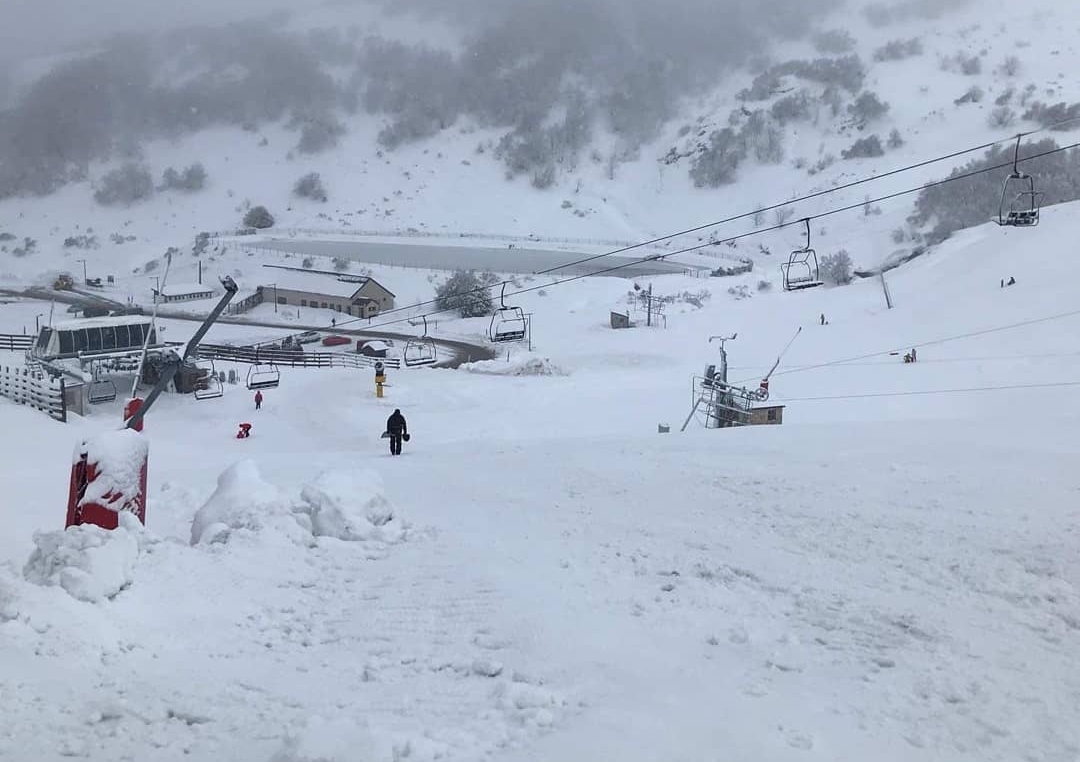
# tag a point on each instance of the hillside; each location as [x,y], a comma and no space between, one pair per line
[792,123]
[892,571]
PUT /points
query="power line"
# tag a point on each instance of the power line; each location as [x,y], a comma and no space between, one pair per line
[933,342]
[868,395]
[657,257]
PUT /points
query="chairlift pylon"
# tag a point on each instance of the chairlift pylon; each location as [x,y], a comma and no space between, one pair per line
[507,323]
[208,386]
[420,350]
[265,376]
[801,269]
[1022,209]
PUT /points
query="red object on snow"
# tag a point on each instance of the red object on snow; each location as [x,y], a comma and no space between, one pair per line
[131,408]
[244,432]
[336,341]
[108,475]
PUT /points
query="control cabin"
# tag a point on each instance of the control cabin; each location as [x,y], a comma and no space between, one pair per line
[101,335]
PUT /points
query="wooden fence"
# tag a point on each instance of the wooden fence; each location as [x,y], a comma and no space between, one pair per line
[260,356]
[35,389]
[15,341]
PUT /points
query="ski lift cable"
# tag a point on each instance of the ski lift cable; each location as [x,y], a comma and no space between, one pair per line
[741,236]
[744,215]
[926,392]
[933,342]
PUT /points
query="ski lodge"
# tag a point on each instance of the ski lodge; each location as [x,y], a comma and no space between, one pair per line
[355,295]
[188,292]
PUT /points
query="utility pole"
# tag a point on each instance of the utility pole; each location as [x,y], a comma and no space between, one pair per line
[83,269]
[885,288]
[200,272]
[648,297]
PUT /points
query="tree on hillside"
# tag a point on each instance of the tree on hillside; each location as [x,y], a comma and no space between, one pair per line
[259,217]
[466,293]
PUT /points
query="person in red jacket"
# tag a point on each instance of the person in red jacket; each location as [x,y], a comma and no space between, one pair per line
[258,400]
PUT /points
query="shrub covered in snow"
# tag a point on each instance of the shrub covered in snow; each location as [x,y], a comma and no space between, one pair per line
[88,562]
[310,186]
[258,217]
[126,185]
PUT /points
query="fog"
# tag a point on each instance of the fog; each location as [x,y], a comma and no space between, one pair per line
[547,75]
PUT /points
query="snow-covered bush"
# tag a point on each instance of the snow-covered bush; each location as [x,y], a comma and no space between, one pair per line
[864,148]
[1048,116]
[868,107]
[717,164]
[836,268]
[896,140]
[125,185]
[192,179]
[897,50]
[1000,117]
[351,506]
[319,134]
[310,186]
[88,562]
[834,41]
[244,501]
[466,293]
[792,108]
[974,94]
[258,217]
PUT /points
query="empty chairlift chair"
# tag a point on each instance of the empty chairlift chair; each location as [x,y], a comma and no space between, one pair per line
[1019,206]
[208,385]
[100,390]
[801,269]
[263,377]
[507,323]
[419,350]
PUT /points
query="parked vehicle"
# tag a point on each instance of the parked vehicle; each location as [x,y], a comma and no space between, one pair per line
[308,337]
[336,341]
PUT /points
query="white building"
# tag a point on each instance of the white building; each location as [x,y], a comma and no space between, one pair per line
[184,292]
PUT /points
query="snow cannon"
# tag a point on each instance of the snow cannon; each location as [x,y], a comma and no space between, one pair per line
[108,475]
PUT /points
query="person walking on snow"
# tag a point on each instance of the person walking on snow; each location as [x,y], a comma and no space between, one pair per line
[398,430]
[258,400]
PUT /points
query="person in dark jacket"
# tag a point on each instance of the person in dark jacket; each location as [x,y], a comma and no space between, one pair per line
[397,428]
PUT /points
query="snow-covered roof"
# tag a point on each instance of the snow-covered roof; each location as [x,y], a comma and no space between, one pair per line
[100,322]
[181,289]
[375,345]
[315,283]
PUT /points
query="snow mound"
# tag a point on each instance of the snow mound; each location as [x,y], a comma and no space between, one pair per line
[352,506]
[532,366]
[243,500]
[88,562]
[322,740]
[527,706]
[8,609]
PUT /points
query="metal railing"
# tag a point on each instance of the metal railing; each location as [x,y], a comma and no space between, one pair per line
[283,357]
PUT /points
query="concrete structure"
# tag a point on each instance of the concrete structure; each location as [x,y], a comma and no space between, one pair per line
[354,295]
[185,292]
[620,320]
[770,415]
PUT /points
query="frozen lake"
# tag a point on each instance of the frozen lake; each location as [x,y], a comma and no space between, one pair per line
[516,260]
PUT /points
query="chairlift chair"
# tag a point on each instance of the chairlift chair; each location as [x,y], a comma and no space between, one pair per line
[1021,209]
[263,377]
[801,269]
[419,350]
[100,390]
[507,323]
[208,385]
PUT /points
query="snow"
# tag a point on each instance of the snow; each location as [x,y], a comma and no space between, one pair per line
[892,574]
[352,507]
[90,563]
[119,457]
[183,289]
[243,501]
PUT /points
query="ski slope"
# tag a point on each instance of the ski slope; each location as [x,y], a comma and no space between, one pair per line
[891,574]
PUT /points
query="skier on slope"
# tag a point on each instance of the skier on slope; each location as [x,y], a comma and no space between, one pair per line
[398,430]
[258,400]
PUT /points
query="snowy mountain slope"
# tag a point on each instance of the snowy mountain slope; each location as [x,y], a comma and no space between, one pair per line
[891,576]
[443,185]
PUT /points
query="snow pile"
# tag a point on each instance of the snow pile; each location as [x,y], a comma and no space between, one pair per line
[533,366]
[8,610]
[527,706]
[243,500]
[352,506]
[88,562]
[119,456]
[322,740]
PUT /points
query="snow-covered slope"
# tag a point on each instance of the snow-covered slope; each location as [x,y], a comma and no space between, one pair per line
[542,576]
[443,186]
